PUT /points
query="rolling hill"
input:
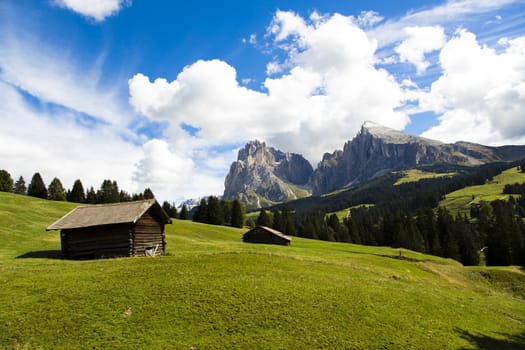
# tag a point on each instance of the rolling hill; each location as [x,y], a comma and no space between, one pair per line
[213,291]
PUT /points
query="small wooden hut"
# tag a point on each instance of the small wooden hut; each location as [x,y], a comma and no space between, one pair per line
[113,230]
[263,234]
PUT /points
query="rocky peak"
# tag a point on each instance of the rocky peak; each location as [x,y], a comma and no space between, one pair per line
[377,149]
[263,175]
[256,152]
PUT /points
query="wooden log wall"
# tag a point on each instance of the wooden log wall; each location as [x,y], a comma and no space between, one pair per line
[96,242]
[148,235]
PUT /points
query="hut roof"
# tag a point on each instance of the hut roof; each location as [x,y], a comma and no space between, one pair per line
[272,231]
[108,214]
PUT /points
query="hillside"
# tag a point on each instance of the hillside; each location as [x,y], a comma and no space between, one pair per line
[460,200]
[213,291]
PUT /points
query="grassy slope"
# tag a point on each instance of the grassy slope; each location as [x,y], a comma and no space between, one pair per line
[213,291]
[459,201]
[414,175]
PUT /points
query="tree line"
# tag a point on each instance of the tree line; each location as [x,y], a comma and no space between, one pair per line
[108,192]
[214,211]
[408,216]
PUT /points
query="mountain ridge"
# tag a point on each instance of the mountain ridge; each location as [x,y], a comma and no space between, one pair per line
[263,175]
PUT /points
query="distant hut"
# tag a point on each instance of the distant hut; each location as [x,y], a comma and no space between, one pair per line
[263,234]
[113,230]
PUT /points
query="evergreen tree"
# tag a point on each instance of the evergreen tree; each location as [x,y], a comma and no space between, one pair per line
[264,219]
[226,208]
[148,194]
[6,181]
[184,214]
[36,187]
[20,186]
[448,240]
[108,193]
[278,223]
[201,214]
[499,249]
[77,194]
[238,214]
[56,191]
[91,196]
[170,209]
[468,249]
[415,238]
[215,214]
[288,220]
[125,196]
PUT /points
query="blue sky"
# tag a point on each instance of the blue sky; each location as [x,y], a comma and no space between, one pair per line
[162,94]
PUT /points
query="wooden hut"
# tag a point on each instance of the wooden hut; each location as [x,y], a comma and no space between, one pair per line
[263,234]
[112,230]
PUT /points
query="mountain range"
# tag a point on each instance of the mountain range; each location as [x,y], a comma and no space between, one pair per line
[263,176]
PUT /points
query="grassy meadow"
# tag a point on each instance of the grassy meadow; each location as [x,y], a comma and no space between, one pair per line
[460,200]
[414,175]
[213,291]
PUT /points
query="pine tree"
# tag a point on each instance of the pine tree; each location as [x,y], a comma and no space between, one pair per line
[148,194]
[91,196]
[277,221]
[36,187]
[238,214]
[77,194]
[468,249]
[56,191]
[201,214]
[20,186]
[264,219]
[289,224]
[184,214]
[215,215]
[108,193]
[226,208]
[447,237]
[170,209]
[6,181]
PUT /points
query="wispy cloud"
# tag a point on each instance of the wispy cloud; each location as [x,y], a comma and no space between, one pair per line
[453,11]
[53,75]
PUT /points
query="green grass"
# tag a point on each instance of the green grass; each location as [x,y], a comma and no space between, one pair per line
[213,291]
[342,214]
[414,175]
[459,201]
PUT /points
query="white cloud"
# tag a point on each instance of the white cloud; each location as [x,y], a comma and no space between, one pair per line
[481,94]
[330,88]
[369,18]
[54,145]
[98,10]
[171,175]
[420,41]
[52,76]
[452,11]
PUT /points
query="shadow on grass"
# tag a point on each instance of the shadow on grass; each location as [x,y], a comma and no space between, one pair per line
[510,341]
[42,254]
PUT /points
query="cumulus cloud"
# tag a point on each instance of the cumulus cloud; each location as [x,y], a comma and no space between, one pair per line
[53,144]
[481,93]
[420,41]
[98,10]
[320,91]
